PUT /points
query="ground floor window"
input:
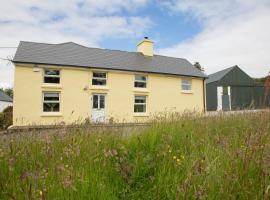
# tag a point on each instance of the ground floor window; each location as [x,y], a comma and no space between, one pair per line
[140,104]
[51,102]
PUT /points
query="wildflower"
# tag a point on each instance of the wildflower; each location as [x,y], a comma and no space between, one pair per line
[40,193]
[178,160]
[99,140]
[170,151]
[174,157]
[202,161]
[242,146]
[183,157]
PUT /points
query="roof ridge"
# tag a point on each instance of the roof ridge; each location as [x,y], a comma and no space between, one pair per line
[171,57]
[228,68]
[102,48]
[39,42]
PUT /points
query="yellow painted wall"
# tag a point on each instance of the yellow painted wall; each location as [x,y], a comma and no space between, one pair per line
[163,94]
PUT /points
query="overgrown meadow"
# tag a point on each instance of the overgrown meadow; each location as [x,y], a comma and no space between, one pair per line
[183,157]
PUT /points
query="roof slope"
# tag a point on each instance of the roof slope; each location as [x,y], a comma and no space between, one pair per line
[219,75]
[72,54]
[4,97]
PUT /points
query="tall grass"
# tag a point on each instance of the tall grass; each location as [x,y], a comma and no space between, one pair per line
[221,157]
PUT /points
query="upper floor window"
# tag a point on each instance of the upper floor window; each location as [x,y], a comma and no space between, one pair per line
[140,104]
[186,84]
[51,102]
[140,81]
[99,78]
[51,76]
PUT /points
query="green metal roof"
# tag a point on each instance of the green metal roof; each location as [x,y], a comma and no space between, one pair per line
[218,75]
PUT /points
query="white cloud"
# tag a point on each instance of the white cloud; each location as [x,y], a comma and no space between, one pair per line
[235,32]
[86,22]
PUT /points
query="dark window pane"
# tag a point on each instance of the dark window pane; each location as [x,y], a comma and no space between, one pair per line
[52,72]
[225,90]
[102,101]
[51,80]
[140,84]
[140,99]
[186,87]
[51,96]
[51,107]
[98,82]
[99,75]
[186,84]
[140,78]
[139,108]
[95,101]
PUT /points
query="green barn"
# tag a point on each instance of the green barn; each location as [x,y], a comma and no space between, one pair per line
[233,89]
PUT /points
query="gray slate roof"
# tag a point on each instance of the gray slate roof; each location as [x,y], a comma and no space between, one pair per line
[4,97]
[72,54]
[218,75]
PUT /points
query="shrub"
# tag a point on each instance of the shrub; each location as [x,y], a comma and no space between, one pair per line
[6,118]
[8,109]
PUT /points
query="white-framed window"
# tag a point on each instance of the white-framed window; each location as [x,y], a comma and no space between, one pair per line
[186,84]
[140,104]
[98,101]
[99,78]
[140,81]
[51,101]
[52,76]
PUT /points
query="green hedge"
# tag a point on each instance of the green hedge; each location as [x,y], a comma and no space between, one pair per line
[6,118]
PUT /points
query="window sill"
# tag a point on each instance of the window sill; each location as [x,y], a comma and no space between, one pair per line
[51,114]
[51,85]
[95,87]
[187,91]
[141,114]
[141,90]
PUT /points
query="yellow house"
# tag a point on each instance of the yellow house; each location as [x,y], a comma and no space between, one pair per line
[69,83]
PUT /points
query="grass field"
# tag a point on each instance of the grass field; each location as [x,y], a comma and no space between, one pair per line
[221,157]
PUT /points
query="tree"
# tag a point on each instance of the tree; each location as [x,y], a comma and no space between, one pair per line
[198,66]
[260,81]
[8,91]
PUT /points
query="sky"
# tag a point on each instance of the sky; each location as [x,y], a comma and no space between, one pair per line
[218,34]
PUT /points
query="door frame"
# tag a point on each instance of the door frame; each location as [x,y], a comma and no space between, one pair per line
[105,105]
[219,97]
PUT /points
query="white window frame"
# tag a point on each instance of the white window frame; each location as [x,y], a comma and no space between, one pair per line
[140,103]
[140,81]
[99,78]
[99,95]
[43,101]
[53,76]
[189,85]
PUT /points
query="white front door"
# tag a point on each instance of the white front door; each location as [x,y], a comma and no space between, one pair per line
[98,108]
